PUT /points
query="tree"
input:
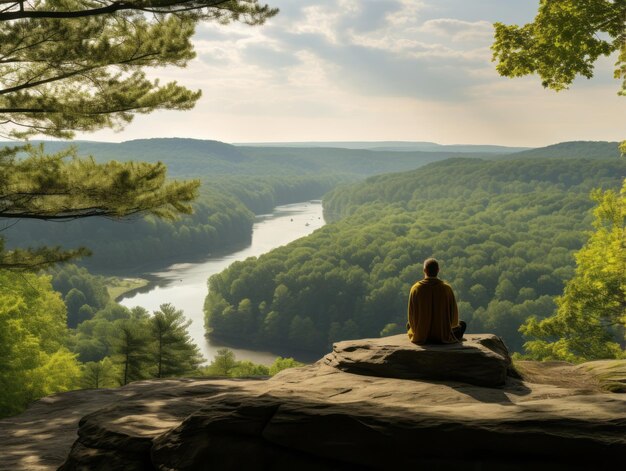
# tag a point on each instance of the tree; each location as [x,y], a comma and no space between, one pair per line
[74,300]
[246,368]
[33,359]
[564,41]
[392,329]
[63,187]
[173,350]
[592,311]
[99,374]
[131,348]
[80,65]
[223,362]
[281,364]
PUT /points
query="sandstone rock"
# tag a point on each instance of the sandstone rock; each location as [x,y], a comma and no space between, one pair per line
[296,433]
[122,432]
[481,359]
[319,417]
[610,374]
[40,438]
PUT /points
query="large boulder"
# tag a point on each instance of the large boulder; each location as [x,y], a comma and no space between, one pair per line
[481,359]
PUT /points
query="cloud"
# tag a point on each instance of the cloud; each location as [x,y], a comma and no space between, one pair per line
[459,30]
[371,47]
[377,69]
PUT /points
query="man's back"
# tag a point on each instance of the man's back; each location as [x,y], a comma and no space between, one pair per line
[432,312]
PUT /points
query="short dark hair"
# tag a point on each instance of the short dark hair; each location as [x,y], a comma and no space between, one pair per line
[431,267]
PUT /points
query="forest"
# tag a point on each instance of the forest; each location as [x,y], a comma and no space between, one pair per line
[237,183]
[94,342]
[505,232]
[223,216]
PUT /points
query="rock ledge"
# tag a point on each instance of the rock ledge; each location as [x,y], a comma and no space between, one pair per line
[320,418]
[481,359]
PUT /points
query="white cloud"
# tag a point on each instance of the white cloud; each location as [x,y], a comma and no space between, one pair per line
[407,15]
[459,30]
[375,69]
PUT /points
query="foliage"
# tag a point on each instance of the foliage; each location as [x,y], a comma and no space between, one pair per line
[137,345]
[600,150]
[33,359]
[592,311]
[247,368]
[281,364]
[225,364]
[92,339]
[83,293]
[174,352]
[392,329]
[99,374]
[131,344]
[565,40]
[62,187]
[190,158]
[222,216]
[505,232]
[80,65]
[221,365]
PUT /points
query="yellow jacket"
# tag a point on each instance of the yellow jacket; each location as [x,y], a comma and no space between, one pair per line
[432,312]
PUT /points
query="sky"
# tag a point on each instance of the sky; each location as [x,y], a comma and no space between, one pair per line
[376,70]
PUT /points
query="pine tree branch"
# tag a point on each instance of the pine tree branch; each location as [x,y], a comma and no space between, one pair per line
[161,7]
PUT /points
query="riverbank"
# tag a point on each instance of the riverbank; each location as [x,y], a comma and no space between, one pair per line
[184,285]
[303,356]
[120,287]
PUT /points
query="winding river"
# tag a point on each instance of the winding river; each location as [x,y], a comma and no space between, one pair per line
[185,284]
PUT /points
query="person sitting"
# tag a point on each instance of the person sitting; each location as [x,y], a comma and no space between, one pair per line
[433,313]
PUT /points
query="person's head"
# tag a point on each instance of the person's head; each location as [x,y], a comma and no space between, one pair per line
[431,267]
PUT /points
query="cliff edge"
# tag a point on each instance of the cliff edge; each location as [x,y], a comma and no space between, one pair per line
[370,404]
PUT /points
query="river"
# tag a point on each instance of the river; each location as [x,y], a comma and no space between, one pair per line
[185,284]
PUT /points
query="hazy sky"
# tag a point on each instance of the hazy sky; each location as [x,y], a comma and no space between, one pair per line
[413,70]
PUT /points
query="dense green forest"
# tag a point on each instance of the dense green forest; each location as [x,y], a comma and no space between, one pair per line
[238,182]
[571,150]
[223,216]
[505,233]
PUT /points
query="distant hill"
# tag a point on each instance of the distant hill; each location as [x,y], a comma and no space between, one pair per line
[183,157]
[592,150]
[395,146]
[205,158]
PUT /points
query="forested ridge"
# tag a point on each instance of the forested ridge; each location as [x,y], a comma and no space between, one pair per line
[199,158]
[237,183]
[505,233]
[570,150]
[223,215]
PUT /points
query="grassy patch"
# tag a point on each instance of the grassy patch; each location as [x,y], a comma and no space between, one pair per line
[119,286]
